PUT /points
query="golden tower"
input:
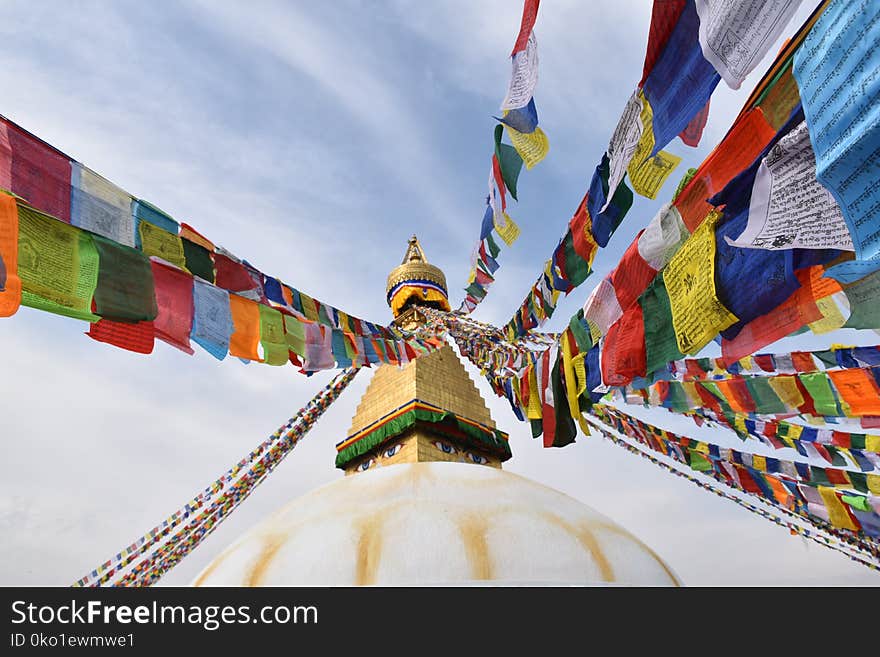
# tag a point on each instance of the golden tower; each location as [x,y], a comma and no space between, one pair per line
[429,409]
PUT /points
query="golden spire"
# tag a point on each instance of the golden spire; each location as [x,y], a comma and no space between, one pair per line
[429,409]
[414,252]
[416,282]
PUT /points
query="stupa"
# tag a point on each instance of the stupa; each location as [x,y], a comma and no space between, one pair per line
[425,500]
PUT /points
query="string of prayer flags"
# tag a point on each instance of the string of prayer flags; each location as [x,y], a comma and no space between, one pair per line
[840,543]
[753,474]
[528,145]
[79,262]
[211,505]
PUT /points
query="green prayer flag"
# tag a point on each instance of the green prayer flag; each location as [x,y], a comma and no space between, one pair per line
[857,502]
[766,400]
[864,302]
[494,249]
[820,390]
[295,335]
[698,461]
[661,345]
[509,161]
[677,399]
[272,336]
[198,260]
[565,427]
[716,392]
[125,290]
[580,331]
[836,456]
[859,481]
[827,356]
[57,264]
[476,290]
[576,268]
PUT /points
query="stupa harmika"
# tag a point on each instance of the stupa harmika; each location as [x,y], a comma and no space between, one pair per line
[428,502]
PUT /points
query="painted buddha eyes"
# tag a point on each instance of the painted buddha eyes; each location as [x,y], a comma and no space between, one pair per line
[366,465]
[446,448]
[476,458]
[391,451]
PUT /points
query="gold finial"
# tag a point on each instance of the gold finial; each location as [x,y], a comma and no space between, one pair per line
[414,252]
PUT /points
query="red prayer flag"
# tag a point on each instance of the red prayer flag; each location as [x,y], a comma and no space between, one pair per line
[231,275]
[530,13]
[623,353]
[136,336]
[694,130]
[632,275]
[35,171]
[174,299]
[664,17]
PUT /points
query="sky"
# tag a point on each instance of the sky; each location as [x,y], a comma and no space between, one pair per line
[313,139]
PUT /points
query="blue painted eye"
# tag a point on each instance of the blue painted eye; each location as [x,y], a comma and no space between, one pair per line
[446,448]
[391,451]
[365,465]
[476,458]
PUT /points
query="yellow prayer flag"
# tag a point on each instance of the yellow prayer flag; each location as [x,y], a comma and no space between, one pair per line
[759,463]
[836,511]
[647,173]
[531,146]
[872,443]
[786,389]
[580,371]
[697,314]
[508,230]
[650,175]
[533,412]
[873,483]
[832,317]
[158,242]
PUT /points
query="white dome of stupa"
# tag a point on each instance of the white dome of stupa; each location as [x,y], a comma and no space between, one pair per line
[436,523]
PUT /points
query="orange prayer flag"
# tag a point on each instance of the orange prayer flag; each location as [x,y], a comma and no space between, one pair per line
[190,233]
[858,389]
[737,395]
[10,283]
[739,148]
[246,321]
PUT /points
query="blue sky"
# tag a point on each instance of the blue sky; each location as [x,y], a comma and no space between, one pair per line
[313,139]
